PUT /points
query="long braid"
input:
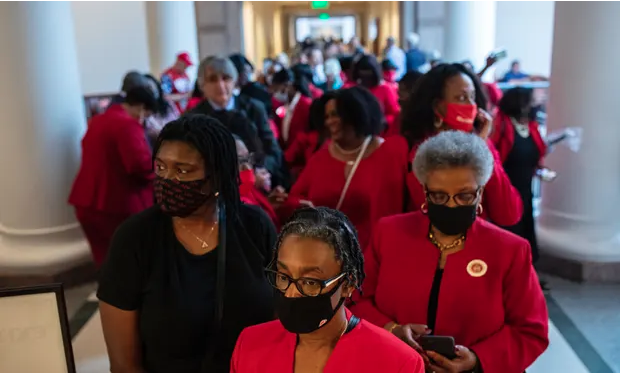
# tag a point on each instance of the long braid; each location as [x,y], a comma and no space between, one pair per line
[216,145]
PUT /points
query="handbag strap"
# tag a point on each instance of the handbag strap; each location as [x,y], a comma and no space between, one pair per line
[366,143]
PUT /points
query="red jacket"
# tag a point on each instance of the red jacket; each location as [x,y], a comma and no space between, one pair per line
[389,101]
[502,204]
[503,137]
[499,314]
[301,150]
[269,348]
[116,172]
[315,91]
[299,121]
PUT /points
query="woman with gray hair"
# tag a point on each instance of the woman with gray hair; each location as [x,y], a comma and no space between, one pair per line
[465,279]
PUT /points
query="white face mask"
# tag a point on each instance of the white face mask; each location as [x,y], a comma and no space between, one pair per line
[281,96]
[236,91]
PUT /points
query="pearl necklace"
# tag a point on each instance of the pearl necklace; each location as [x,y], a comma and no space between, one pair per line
[521,129]
[347,152]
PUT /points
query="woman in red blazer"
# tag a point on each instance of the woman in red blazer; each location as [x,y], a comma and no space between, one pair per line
[293,92]
[443,271]
[367,72]
[450,97]
[359,172]
[316,267]
[114,180]
[521,148]
[306,144]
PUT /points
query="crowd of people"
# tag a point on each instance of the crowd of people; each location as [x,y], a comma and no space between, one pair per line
[331,213]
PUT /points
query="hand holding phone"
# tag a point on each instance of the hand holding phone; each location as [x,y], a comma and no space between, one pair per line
[443,345]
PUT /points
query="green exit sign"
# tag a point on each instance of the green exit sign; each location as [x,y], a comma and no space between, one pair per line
[320,4]
[324,16]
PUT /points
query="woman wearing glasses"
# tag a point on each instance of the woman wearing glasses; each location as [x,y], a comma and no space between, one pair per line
[317,265]
[442,271]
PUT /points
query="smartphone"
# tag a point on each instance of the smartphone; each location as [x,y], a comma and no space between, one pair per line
[500,54]
[443,345]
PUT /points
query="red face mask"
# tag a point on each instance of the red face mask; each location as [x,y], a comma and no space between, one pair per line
[390,75]
[460,116]
[247,177]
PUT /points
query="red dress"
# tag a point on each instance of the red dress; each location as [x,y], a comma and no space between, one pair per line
[249,194]
[502,204]
[377,189]
[270,348]
[490,300]
[389,101]
[300,151]
[115,177]
[298,122]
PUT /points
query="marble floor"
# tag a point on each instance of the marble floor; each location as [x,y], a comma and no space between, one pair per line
[584,329]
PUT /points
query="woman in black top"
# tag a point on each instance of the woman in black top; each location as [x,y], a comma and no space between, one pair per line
[183,278]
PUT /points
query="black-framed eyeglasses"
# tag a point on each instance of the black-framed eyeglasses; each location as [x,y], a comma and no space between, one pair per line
[461,199]
[307,286]
[249,159]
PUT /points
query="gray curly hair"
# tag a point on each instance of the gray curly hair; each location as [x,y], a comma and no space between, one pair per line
[219,65]
[454,149]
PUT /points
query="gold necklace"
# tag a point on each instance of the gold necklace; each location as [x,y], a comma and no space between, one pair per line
[204,244]
[443,247]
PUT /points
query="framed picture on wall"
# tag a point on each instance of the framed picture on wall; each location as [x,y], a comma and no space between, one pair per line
[34,330]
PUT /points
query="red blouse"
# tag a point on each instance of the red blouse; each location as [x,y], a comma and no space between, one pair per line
[249,194]
[377,189]
[301,150]
[503,136]
[490,300]
[502,204]
[269,348]
[389,101]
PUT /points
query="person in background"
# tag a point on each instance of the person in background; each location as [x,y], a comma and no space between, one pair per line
[116,173]
[165,112]
[247,85]
[407,83]
[217,77]
[396,55]
[368,74]
[196,97]
[415,58]
[306,71]
[131,80]
[282,59]
[255,186]
[491,303]
[331,50]
[355,47]
[521,149]
[493,92]
[306,144]
[347,64]
[358,173]
[389,74]
[242,127]
[185,277]
[450,97]
[176,83]
[293,92]
[316,266]
[315,59]
[334,80]
[515,74]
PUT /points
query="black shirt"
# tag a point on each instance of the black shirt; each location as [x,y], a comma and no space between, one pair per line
[432,308]
[174,291]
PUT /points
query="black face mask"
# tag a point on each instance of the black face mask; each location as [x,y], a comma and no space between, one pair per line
[451,220]
[306,314]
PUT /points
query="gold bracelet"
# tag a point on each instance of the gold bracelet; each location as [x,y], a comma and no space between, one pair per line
[392,327]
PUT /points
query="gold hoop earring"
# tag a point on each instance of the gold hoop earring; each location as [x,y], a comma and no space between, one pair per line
[423,208]
[216,194]
[437,123]
[480,209]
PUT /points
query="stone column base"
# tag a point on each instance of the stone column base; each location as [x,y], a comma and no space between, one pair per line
[579,270]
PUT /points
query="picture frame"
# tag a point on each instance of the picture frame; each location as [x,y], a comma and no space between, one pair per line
[34,330]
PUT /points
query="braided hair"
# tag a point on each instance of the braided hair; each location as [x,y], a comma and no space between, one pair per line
[216,145]
[333,228]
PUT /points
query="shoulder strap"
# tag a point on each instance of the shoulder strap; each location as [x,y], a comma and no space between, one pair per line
[353,323]
[366,143]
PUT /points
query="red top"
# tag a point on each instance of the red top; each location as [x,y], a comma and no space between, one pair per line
[502,204]
[192,102]
[349,84]
[389,101]
[249,194]
[270,348]
[315,91]
[299,121]
[176,82]
[377,189]
[503,136]
[116,171]
[494,93]
[301,150]
[490,300]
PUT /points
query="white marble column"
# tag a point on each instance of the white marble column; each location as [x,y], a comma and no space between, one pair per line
[407,21]
[470,31]
[580,210]
[42,121]
[171,26]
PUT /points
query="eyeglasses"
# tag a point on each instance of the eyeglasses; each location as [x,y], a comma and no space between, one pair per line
[460,199]
[307,286]
[249,159]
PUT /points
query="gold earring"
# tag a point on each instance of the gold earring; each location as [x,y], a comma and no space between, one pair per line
[437,123]
[216,194]
[480,209]
[423,208]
